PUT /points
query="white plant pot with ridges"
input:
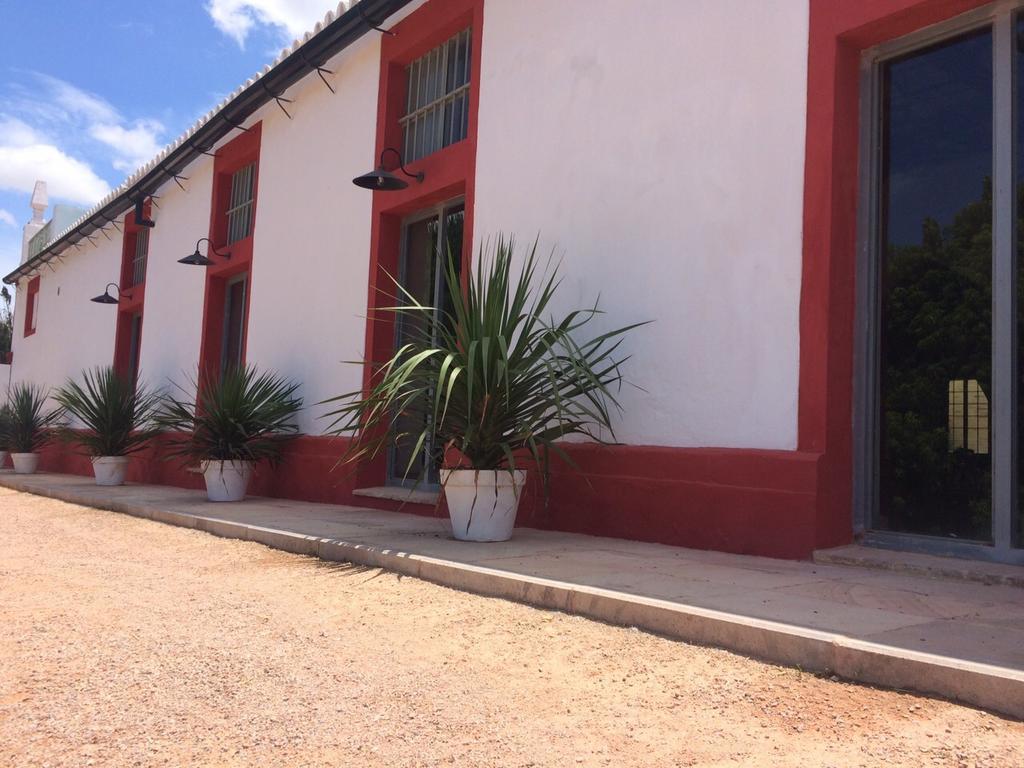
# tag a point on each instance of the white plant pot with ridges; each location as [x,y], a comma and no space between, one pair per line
[25,463]
[3,459]
[109,470]
[483,503]
[226,480]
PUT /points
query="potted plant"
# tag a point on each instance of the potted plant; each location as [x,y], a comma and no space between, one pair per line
[115,419]
[5,433]
[500,381]
[31,425]
[228,424]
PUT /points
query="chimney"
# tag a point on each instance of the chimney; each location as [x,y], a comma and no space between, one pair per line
[39,202]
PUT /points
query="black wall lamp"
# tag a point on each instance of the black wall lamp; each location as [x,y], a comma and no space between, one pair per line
[384,180]
[197,259]
[106,298]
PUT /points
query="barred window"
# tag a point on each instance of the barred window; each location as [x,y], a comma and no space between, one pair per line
[437,106]
[138,272]
[240,208]
[968,416]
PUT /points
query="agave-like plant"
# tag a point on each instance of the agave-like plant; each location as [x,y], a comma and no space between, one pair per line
[5,427]
[242,415]
[115,415]
[500,378]
[31,424]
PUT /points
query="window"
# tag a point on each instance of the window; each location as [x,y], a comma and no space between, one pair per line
[968,416]
[31,306]
[429,239]
[239,211]
[437,102]
[233,347]
[135,346]
[943,410]
[137,273]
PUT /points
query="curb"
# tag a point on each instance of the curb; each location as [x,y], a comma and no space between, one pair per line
[985,686]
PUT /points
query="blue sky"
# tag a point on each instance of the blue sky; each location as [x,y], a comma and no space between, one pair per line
[91,89]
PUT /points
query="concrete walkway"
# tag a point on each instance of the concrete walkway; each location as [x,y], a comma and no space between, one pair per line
[957,639]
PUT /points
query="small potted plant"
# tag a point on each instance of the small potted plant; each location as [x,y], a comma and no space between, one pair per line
[115,418]
[31,425]
[5,433]
[229,423]
[498,382]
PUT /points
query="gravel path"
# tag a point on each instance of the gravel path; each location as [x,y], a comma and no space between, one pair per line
[126,642]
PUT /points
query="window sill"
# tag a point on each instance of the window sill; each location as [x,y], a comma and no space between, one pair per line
[398,493]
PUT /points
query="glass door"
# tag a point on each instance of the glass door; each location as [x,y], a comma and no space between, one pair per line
[941,302]
[428,238]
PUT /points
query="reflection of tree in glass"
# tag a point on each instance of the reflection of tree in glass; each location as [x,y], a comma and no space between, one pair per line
[936,318]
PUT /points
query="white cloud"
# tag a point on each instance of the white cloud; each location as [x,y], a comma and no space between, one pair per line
[236,18]
[134,146]
[76,102]
[7,218]
[26,156]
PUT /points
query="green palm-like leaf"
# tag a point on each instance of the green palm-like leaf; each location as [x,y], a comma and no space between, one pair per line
[243,415]
[501,377]
[115,417]
[31,425]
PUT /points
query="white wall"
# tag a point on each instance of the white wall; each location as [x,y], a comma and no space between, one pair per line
[312,233]
[660,146]
[72,333]
[173,313]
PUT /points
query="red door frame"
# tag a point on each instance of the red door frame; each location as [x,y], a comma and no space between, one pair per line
[31,291]
[132,298]
[840,31]
[448,173]
[231,157]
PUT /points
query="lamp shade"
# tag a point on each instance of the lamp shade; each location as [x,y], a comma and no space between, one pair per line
[196,259]
[380,179]
[104,298]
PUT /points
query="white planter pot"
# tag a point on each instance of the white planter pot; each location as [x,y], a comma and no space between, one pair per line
[482,504]
[25,463]
[3,459]
[226,480]
[109,470]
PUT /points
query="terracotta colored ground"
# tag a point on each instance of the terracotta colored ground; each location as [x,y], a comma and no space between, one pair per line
[127,642]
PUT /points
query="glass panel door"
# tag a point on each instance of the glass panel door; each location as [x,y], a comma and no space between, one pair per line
[234,323]
[428,240]
[935,345]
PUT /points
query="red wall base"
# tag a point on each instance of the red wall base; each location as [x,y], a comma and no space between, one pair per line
[744,501]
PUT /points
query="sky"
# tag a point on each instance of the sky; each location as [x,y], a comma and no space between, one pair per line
[92,89]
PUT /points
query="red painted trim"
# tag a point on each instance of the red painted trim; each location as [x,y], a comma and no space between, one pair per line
[234,155]
[132,298]
[749,502]
[449,172]
[839,32]
[30,307]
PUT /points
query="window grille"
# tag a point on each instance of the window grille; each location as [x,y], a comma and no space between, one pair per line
[139,260]
[437,106]
[968,416]
[240,208]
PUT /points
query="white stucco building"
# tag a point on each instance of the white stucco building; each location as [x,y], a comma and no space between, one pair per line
[730,170]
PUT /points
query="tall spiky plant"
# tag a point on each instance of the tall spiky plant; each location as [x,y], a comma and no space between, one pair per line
[115,416]
[500,377]
[5,427]
[31,425]
[243,415]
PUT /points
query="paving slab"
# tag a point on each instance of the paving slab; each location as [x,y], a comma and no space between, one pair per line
[960,639]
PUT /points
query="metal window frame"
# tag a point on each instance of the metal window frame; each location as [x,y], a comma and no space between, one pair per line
[417,111]
[1001,17]
[440,212]
[138,271]
[241,199]
[242,278]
